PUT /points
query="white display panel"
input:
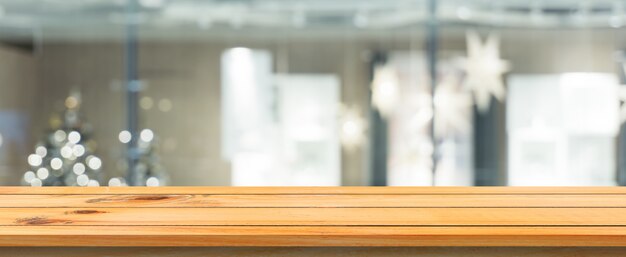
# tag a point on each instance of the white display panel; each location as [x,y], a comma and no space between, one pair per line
[308,111]
[246,100]
[278,130]
[562,129]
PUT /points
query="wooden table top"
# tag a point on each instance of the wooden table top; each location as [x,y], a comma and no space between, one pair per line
[313,216]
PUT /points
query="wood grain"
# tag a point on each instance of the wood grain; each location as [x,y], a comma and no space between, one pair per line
[315,216]
[394,216]
[315,190]
[309,200]
[313,252]
[188,236]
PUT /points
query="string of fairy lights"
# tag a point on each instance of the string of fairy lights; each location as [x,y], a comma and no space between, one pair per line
[66,155]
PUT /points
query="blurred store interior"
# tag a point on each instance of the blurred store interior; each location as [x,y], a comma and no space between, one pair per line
[312,93]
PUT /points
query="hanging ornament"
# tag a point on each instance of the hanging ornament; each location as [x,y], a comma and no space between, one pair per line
[484,69]
[352,128]
[65,156]
[385,89]
[452,107]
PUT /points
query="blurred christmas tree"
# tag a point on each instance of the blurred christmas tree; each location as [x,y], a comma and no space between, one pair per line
[147,170]
[65,155]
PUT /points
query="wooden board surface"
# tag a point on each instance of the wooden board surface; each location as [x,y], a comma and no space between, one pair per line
[312,252]
[316,190]
[310,216]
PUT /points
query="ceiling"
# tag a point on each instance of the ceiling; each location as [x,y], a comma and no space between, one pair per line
[191,18]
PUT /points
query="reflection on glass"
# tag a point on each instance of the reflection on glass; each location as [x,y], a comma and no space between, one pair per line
[268,92]
[566,136]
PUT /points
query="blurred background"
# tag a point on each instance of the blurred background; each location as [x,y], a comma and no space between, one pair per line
[312,92]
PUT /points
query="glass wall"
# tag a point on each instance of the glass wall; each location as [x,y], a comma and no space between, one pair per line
[312,93]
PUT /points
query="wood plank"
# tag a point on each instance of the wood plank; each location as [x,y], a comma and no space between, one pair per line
[308,201]
[315,251]
[314,190]
[316,216]
[183,236]
[207,216]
